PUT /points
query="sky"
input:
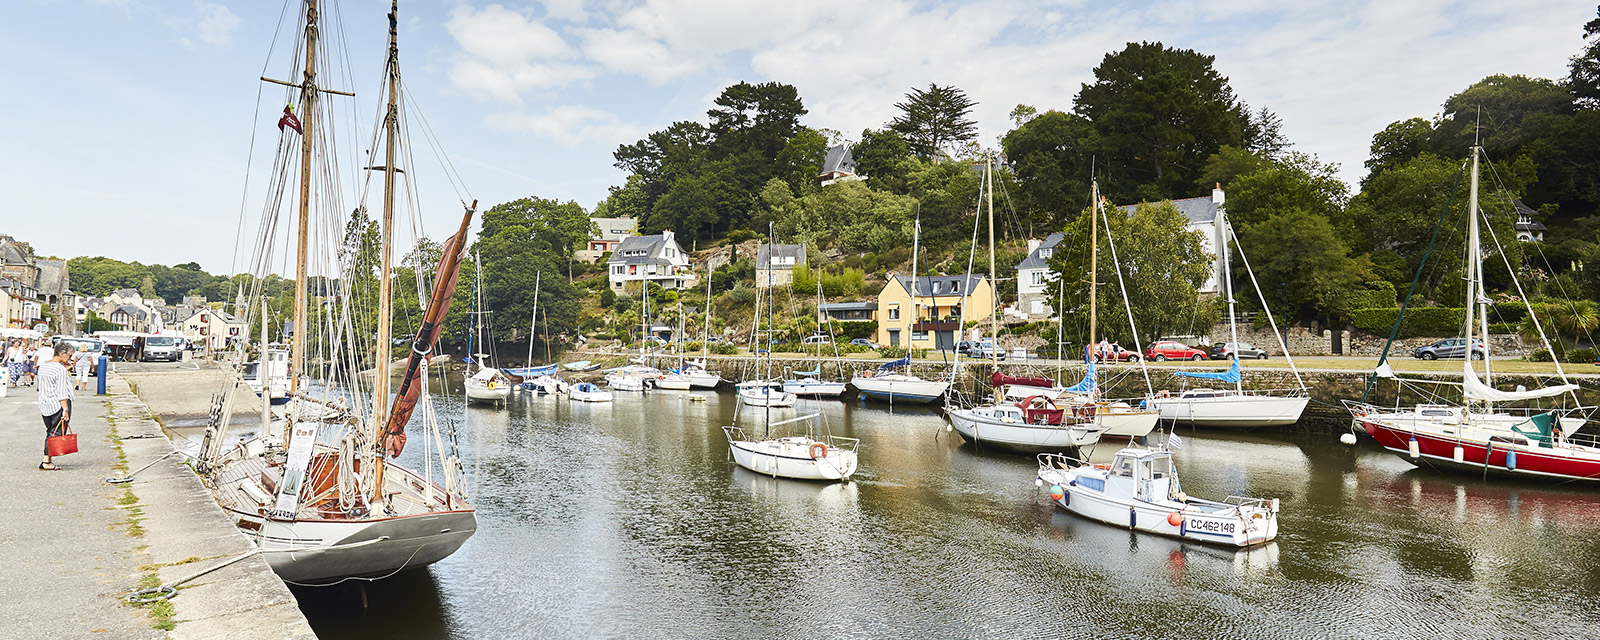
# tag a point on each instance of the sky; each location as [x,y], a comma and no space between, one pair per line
[128,125]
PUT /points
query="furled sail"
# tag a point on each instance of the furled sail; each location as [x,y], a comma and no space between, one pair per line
[895,364]
[1231,375]
[1086,385]
[444,287]
[999,379]
[1474,389]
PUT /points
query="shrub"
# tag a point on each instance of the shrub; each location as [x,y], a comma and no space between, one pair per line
[852,329]
[894,353]
[742,295]
[693,346]
[1541,355]
[723,349]
[607,297]
[1510,313]
[1580,356]
[853,348]
[741,235]
[1430,322]
[1503,327]
[1376,295]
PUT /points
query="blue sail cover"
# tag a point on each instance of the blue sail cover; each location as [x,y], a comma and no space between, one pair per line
[1231,375]
[528,372]
[896,364]
[1085,385]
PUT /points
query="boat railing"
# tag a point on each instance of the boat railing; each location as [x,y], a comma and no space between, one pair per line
[841,442]
[1059,461]
[1290,392]
[735,433]
[1265,504]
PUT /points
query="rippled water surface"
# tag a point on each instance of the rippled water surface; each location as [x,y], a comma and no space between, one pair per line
[630,519]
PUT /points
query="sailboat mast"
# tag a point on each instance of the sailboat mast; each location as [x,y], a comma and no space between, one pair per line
[1227,282]
[994,323]
[538,278]
[1474,263]
[391,120]
[308,100]
[1094,260]
[705,338]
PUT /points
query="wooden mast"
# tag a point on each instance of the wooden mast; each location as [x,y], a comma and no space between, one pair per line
[308,100]
[1094,261]
[380,381]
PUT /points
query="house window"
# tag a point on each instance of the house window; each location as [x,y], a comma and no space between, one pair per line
[1045,253]
[894,313]
[617,270]
[935,290]
[955,287]
[894,337]
[1038,277]
[671,252]
[919,335]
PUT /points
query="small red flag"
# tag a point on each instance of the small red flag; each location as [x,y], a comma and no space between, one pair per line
[289,120]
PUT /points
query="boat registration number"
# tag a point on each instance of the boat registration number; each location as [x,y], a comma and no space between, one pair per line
[1212,526]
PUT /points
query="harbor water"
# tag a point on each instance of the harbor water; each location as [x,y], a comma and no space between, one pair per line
[630,519]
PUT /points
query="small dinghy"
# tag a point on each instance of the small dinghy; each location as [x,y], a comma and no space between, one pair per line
[797,457]
[1140,490]
[587,392]
[581,365]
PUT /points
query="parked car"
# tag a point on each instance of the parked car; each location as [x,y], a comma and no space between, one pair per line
[986,350]
[1225,350]
[819,339]
[1451,348]
[158,348]
[1173,350]
[1125,355]
[863,342]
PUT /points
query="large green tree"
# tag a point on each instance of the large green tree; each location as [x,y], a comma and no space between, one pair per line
[1051,154]
[524,243]
[1159,113]
[1301,264]
[935,118]
[884,157]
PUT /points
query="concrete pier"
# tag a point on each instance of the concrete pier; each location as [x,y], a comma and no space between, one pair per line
[75,545]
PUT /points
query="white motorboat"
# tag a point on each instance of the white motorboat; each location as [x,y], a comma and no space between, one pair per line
[674,381]
[581,365]
[1033,425]
[588,392]
[1140,490]
[814,388]
[798,457]
[632,377]
[546,385]
[488,385]
[277,366]
[764,394]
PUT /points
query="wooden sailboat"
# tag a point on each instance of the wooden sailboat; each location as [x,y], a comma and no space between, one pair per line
[1477,436]
[317,488]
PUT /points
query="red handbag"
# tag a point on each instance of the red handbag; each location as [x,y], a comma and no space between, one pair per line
[61,445]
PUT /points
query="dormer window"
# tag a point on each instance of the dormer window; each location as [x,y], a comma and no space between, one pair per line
[1045,253]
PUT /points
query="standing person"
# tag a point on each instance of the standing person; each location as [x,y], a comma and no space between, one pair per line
[55,399]
[5,359]
[14,363]
[18,363]
[80,366]
[42,355]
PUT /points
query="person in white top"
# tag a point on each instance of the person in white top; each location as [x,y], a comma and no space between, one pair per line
[80,366]
[55,398]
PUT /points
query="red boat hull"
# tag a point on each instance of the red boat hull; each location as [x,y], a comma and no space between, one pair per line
[1436,451]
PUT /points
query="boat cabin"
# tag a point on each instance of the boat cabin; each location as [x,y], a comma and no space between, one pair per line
[1145,474]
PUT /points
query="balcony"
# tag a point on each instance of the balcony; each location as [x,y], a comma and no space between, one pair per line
[936,325]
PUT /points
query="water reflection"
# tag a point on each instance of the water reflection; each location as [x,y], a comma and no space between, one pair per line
[629,518]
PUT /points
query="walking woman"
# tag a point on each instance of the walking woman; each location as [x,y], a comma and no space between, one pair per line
[14,362]
[80,366]
[55,399]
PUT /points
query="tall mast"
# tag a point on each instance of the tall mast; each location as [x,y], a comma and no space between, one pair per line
[1474,262]
[537,279]
[705,338]
[994,323]
[308,100]
[1227,281]
[1094,259]
[391,125]
[916,238]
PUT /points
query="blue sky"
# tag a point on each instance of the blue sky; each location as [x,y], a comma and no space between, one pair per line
[127,123]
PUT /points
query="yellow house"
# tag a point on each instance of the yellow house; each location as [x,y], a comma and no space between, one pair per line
[931,318]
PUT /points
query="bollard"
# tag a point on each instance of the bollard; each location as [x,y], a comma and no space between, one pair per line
[100,376]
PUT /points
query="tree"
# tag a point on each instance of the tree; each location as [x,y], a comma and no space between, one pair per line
[1399,142]
[1022,113]
[626,201]
[1162,262]
[1301,264]
[524,244]
[700,205]
[1159,114]
[932,119]
[1496,113]
[1051,155]
[1296,182]
[755,117]
[1263,132]
[1583,76]
[800,161]
[883,156]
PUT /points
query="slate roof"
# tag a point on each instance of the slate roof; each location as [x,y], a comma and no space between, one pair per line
[796,251]
[133,311]
[52,277]
[847,306]
[652,247]
[839,160]
[1525,212]
[12,253]
[126,293]
[925,284]
[1199,210]
[1036,261]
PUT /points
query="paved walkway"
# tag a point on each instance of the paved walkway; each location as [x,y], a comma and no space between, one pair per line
[73,544]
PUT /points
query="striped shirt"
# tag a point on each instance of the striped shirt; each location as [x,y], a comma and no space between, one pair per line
[54,386]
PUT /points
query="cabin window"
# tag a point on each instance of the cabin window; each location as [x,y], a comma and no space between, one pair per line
[1125,467]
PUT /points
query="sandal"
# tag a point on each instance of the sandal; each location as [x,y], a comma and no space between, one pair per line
[48,466]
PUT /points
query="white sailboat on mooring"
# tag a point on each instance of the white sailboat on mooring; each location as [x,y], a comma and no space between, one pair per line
[317,489]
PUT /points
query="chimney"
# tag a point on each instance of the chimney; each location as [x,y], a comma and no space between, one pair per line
[1217,197]
[666,235]
[1033,245]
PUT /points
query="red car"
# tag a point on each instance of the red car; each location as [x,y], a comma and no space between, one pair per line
[1170,350]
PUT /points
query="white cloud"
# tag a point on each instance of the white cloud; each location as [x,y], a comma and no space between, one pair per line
[212,25]
[505,53]
[571,125]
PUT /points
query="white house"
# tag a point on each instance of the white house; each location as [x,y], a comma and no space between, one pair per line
[1528,229]
[1035,293]
[658,258]
[775,264]
[609,234]
[1202,215]
[214,330]
[839,166]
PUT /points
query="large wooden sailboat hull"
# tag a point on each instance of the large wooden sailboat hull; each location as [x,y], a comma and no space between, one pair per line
[1019,436]
[1231,411]
[1484,452]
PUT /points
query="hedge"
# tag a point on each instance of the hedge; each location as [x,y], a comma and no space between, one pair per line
[853,329]
[1423,322]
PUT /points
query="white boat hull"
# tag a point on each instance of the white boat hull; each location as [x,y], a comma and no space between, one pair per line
[674,382]
[814,388]
[480,393]
[1127,424]
[791,458]
[1197,520]
[1019,436]
[704,380]
[766,397]
[898,388]
[626,383]
[1235,411]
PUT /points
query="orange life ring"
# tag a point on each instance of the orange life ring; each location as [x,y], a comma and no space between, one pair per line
[818,445]
[1163,394]
[1103,467]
